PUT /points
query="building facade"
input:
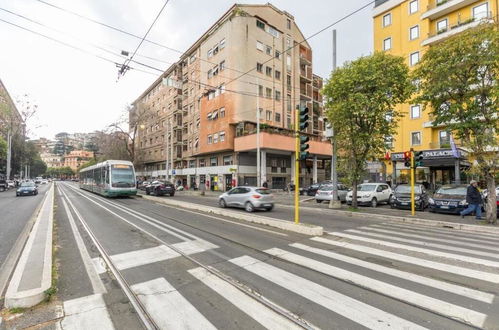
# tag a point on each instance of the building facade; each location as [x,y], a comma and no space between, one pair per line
[199,118]
[76,158]
[407,28]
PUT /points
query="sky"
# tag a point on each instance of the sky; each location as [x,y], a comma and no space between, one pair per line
[76,88]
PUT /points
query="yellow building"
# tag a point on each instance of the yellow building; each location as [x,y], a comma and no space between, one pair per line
[407,28]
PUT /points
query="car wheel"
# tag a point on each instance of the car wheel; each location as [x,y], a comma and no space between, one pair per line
[222,203]
[249,207]
[172,194]
[270,208]
[318,201]
[147,192]
[374,202]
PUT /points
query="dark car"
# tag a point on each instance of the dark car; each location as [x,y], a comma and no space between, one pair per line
[3,185]
[27,188]
[160,188]
[143,185]
[449,199]
[312,189]
[401,198]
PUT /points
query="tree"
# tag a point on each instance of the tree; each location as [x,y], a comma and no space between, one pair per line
[360,104]
[459,86]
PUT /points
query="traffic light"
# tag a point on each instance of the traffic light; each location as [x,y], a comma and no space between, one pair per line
[304,147]
[407,158]
[418,158]
[303,118]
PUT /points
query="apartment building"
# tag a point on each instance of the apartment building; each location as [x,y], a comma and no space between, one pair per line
[407,28]
[76,158]
[199,118]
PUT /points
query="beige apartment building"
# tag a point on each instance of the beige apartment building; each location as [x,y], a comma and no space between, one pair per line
[199,118]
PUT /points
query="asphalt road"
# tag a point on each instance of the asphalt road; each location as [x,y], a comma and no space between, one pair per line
[360,275]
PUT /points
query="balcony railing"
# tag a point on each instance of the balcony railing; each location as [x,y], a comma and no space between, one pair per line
[439,8]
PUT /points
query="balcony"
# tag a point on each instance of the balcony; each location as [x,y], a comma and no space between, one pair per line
[305,73]
[305,91]
[458,27]
[436,10]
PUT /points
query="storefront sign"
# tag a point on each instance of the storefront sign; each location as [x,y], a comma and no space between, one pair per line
[431,154]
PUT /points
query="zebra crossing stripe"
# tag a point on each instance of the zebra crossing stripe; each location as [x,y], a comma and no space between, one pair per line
[168,308]
[143,257]
[439,306]
[259,312]
[440,285]
[448,255]
[466,272]
[357,311]
[87,312]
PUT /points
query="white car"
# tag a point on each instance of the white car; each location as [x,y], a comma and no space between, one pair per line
[44,181]
[371,194]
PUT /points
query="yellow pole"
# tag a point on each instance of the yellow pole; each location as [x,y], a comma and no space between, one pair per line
[413,207]
[297,166]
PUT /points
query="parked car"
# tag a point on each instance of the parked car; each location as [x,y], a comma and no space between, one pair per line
[27,188]
[312,189]
[249,198]
[160,188]
[401,198]
[143,185]
[11,184]
[325,193]
[3,185]
[371,194]
[449,199]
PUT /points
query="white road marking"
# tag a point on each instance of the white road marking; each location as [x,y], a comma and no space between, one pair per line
[419,242]
[447,255]
[439,306]
[99,265]
[259,312]
[441,285]
[168,308]
[476,274]
[357,311]
[192,247]
[88,312]
[143,257]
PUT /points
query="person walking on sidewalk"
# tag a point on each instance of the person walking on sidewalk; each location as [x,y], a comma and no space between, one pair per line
[474,200]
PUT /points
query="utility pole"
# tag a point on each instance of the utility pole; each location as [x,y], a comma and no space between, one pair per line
[335,203]
[167,165]
[258,159]
[413,168]
[297,165]
[9,153]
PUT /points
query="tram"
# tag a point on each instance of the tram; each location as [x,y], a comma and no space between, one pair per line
[110,178]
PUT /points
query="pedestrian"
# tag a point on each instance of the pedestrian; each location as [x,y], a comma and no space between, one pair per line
[474,200]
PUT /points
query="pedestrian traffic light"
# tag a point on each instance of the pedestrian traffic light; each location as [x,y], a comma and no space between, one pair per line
[407,158]
[304,147]
[303,118]
[418,158]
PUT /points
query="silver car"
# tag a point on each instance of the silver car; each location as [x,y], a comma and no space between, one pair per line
[249,198]
[325,193]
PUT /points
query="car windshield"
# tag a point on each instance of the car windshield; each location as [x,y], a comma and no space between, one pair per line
[448,190]
[327,188]
[263,191]
[407,189]
[27,184]
[366,187]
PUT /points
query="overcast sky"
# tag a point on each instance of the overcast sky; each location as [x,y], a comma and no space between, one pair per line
[78,92]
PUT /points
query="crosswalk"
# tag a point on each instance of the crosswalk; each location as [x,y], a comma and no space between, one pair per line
[425,278]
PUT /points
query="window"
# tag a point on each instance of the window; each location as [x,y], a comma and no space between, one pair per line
[213,161]
[288,62]
[202,163]
[214,115]
[481,11]
[228,160]
[414,32]
[268,71]
[260,90]
[389,142]
[260,24]
[210,53]
[215,50]
[222,66]
[415,111]
[444,138]
[222,112]
[278,55]
[210,139]
[277,117]
[387,44]
[273,32]
[268,115]
[416,138]
[413,6]
[268,93]
[442,25]
[215,70]
[277,75]
[414,58]
[222,44]
[268,50]
[222,88]
[222,136]
[259,67]
[192,59]
[259,46]
[192,163]
[277,95]
[215,138]
[387,19]
[288,23]
[210,74]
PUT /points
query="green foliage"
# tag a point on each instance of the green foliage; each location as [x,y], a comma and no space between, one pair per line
[360,104]
[59,172]
[3,148]
[460,89]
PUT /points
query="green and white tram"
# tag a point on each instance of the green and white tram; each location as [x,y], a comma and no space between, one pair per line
[110,178]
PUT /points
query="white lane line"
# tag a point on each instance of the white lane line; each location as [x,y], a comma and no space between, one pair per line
[441,285]
[193,247]
[439,306]
[447,255]
[143,257]
[348,307]
[88,312]
[466,272]
[168,308]
[99,265]
[418,242]
[97,285]
[259,312]
[403,229]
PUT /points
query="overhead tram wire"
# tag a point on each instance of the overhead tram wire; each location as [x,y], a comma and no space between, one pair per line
[123,68]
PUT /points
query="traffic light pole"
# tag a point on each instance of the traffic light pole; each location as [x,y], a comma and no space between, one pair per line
[297,166]
[413,206]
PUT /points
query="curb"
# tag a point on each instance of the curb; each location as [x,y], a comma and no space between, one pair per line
[405,219]
[305,229]
[42,229]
